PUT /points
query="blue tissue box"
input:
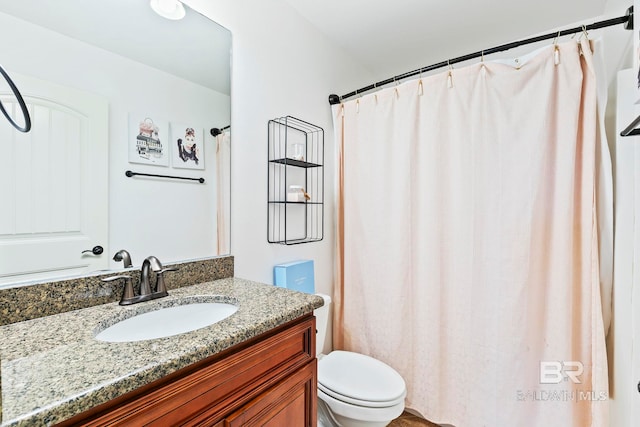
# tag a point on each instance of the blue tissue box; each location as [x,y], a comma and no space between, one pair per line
[296,275]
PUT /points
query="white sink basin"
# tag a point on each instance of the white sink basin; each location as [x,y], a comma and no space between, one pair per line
[167,321]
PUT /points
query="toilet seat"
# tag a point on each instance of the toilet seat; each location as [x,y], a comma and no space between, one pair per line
[362,403]
[339,409]
[360,380]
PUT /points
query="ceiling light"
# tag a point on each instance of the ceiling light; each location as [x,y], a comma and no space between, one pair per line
[170,9]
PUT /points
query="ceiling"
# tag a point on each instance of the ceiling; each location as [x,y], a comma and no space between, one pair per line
[393,37]
[194,48]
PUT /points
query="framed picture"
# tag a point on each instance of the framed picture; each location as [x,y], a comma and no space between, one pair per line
[187,146]
[148,142]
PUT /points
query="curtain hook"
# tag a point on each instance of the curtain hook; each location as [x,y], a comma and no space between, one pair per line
[420,88]
[556,50]
[450,75]
[583,33]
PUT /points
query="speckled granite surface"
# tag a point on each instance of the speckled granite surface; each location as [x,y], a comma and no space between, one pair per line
[44,299]
[54,368]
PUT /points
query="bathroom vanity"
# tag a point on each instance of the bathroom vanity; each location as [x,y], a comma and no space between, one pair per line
[270,380]
[256,367]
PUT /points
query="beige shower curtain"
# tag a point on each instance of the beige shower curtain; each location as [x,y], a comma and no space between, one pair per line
[223,191]
[468,245]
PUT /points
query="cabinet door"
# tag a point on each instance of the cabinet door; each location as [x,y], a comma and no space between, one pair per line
[292,402]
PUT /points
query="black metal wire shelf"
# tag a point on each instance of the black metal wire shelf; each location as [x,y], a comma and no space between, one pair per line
[296,163]
[296,241]
[295,203]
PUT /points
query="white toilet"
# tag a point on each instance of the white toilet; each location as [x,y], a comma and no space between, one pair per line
[354,390]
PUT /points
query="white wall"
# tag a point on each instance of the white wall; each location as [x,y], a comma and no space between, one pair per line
[620,339]
[173,220]
[281,66]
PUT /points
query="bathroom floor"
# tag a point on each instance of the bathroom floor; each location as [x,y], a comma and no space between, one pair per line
[409,420]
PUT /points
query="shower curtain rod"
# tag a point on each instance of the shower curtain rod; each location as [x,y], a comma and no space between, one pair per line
[627,19]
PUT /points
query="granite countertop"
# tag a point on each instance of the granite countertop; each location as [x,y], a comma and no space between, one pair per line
[54,368]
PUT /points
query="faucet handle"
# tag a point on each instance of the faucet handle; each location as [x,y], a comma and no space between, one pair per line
[127,292]
[160,286]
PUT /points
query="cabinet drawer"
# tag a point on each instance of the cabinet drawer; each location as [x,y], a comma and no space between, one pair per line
[212,388]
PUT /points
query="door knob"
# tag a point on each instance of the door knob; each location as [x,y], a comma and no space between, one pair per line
[97,250]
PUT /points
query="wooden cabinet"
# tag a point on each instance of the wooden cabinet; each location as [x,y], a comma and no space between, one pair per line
[267,381]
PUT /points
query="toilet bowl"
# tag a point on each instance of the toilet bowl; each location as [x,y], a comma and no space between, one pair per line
[354,390]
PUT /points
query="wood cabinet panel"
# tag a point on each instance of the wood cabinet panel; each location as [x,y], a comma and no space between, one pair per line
[204,393]
[290,403]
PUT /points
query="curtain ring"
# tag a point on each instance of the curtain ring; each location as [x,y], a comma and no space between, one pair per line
[583,33]
[483,67]
[23,106]
[556,50]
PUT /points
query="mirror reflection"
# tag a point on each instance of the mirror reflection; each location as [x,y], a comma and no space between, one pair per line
[112,87]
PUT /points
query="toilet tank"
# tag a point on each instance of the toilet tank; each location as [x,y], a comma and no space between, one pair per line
[322,323]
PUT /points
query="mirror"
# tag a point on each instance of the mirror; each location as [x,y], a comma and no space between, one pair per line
[142,73]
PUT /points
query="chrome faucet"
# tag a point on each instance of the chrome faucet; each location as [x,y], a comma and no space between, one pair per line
[123,255]
[145,285]
[146,293]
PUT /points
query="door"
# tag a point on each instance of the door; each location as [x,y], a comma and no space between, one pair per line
[53,184]
[623,341]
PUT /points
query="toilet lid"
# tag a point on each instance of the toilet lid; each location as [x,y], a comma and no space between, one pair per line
[357,377]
